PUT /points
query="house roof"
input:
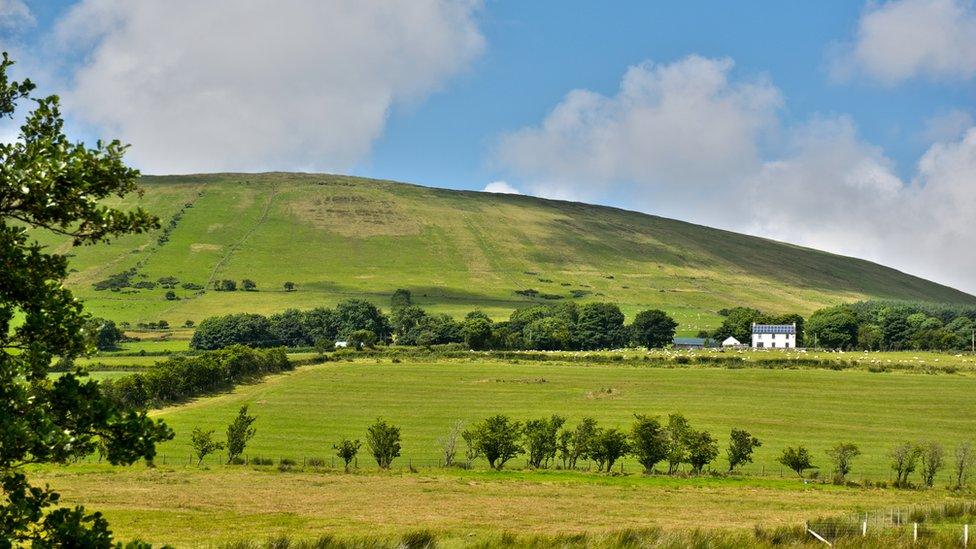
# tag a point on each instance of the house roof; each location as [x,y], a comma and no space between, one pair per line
[774,328]
[731,341]
[692,341]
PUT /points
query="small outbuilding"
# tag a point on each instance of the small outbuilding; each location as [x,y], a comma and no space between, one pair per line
[731,342]
[693,343]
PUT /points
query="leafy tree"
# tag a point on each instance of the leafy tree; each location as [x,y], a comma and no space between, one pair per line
[904,461]
[600,326]
[498,438]
[472,450]
[289,328]
[51,184]
[933,460]
[793,318]
[401,298]
[895,331]
[607,446]
[218,332]
[565,446]
[963,463]
[105,333]
[582,440]
[652,329]
[383,441]
[833,327]
[203,443]
[842,455]
[702,449]
[738,323]
[320,323]
[346,450]
[357,314]
[249,285]
[649,441]
[362,339]
[323,345]
[289,286]
[239,432]
[547,334]
[869,337]
[678,430]
[406,322]
[541,439]
[797,459]
[741,446]
[188,323]
[476,332]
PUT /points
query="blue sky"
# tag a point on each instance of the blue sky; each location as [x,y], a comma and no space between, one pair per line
[839,125]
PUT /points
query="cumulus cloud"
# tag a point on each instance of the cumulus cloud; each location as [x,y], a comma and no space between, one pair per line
[500,187]
[669,127]
[825,187]
[902,39]
[204,86]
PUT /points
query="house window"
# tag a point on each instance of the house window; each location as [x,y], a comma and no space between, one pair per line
[759,344]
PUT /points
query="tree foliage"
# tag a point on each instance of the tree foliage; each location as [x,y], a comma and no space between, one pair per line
[652,329]
[498,439]
[649,441]
[741,446]
[842,455]
[239,432]
[49,183]
[383,441]
[203,443]
[797,459]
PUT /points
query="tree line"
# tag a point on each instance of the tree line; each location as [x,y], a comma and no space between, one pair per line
[182,377]
[564,326]
[549,443]
[893,326]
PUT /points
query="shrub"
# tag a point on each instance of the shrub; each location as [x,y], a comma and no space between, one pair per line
[362,339]
[289,286]
[104,334]
[541,439]
[249,285]
[498,439]
[170,295]
[203,443]
[225,285]
[607,447]
[649,441]
[841,455]
[962,464]
[652,328]
[191,286]
[933,459]
[702,449]
[678,430]
[904,460]
[581,440]
[188,324]
[383,441]
[261,461]
[797,459]
[315,462]
[346,450]
[239,432]
[741,445]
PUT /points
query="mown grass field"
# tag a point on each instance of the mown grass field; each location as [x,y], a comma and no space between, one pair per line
[340,237]
[302,413]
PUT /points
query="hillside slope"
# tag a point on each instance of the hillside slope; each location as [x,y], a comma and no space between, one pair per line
[337,237]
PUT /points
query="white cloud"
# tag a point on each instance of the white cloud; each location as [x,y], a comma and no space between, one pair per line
[14,14]
[825,187]
[204,86]
[902,39]
[670,127]
[946,126]
[500,187]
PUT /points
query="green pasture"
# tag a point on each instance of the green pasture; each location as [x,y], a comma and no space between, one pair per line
[302,413]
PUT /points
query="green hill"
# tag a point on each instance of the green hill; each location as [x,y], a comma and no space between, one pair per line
[337,237]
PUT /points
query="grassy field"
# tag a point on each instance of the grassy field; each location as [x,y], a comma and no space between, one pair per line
[302,413]
[340,237]
[187,506]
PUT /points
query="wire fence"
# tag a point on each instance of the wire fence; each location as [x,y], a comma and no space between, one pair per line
[948,523]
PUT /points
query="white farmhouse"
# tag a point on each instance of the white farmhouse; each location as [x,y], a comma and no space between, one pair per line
[774,336]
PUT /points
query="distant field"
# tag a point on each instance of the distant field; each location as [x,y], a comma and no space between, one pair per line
[342,237]
[304,412]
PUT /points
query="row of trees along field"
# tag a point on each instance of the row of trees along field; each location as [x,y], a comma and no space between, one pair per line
[564,326]
[548,442]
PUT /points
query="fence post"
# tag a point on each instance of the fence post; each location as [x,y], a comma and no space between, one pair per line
[864,528]
[914,532]
[965,535]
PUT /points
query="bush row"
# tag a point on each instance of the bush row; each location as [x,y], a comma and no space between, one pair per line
[183,377]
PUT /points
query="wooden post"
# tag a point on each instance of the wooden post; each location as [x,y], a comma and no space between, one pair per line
[864,528]
[965,535]
[914,532]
